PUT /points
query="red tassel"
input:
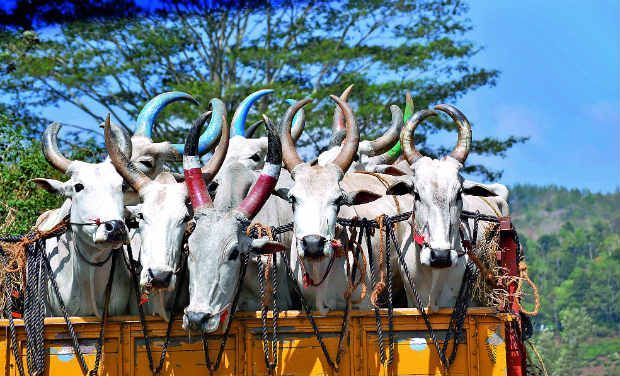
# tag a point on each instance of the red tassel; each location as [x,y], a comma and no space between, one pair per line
[144,299]
[419,239]
[223,317]
[307,280]
[16,315]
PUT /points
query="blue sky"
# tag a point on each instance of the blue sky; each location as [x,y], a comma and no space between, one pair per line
[559,84]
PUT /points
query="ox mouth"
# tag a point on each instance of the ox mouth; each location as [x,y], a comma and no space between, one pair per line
[208,324]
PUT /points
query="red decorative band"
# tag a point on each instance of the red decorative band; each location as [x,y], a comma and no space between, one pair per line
[257,197]
[196,188]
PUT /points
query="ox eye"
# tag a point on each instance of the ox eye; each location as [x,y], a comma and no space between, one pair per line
[255,157]
[78,187]
[140,216]
[232,256]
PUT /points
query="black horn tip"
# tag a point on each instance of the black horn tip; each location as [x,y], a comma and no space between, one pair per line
[191,142]
[274,148]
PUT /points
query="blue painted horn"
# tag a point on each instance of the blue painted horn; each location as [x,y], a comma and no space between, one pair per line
[146,118]
[241,113]
[210,136]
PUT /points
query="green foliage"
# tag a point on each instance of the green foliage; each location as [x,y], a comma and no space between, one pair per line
[572,248]
[299,48]
[21,202]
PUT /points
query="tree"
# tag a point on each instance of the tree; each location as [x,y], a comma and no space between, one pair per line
[308,48]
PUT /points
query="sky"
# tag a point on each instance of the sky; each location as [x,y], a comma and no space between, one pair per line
[559,85]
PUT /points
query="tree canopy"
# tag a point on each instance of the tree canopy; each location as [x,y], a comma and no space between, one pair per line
[299,48]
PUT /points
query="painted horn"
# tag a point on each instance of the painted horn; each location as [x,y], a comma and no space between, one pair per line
[392,155]
[406,136]
[214,129]
[338,122]
[146,117]
[51,151]
[463,143]
[219,155]
[299,121]
[289,151]
[351,141]
[127,169]
[390,137]
[260,192]
[241,113]
[196,186]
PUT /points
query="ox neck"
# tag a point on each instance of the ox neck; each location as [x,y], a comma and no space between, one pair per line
[89,279]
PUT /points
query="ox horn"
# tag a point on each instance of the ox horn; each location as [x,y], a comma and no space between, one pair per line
[390,137]
[146,117]
[51,151]
[289,152]
[249,133]
[351,141]
[196,185]
[268,178]
[463,143]
[219,155]
[241,113]
[210,135]
[124,166]
[299,121]
[406,136]
[392,155]
[338,122]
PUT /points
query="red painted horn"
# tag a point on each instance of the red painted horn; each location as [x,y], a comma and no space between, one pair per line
[196,186]
[254,201]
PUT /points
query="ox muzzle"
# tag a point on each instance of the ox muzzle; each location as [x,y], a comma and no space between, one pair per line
[113,231]
[313,246]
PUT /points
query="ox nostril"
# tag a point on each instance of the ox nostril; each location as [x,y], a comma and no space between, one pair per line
[109,226]
[197,318]
[313,245]
[160,278]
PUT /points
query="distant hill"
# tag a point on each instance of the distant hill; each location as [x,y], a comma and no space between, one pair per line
[571,241]
[540,210]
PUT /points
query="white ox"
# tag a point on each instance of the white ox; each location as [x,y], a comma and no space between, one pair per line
[318,195]
[435,256]
[163,216]
[81,258]
[219,241]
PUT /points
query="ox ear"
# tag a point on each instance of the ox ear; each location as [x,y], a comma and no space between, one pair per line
[360,197]
[282,193]
[401,187]
[265,246]
[50,185]
[475,189]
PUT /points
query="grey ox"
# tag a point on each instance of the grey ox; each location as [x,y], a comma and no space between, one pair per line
[219,243]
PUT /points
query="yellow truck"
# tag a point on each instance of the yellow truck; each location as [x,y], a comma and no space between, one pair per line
[299,353]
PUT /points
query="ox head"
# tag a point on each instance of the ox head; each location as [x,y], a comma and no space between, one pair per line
[149,156]
[95,190]
[437,187]
[251,151]
[316,194]
[219,246]
[163,213]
